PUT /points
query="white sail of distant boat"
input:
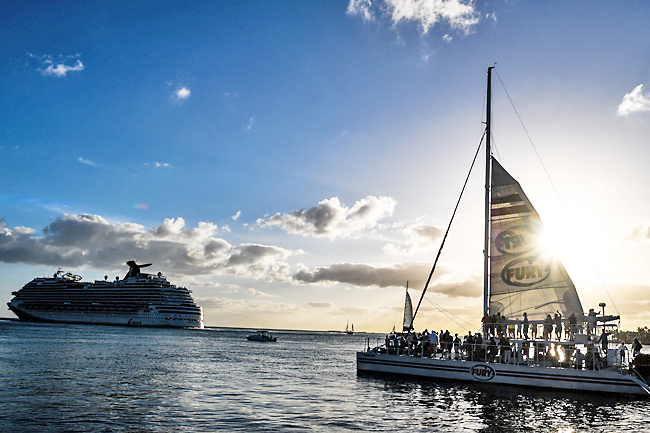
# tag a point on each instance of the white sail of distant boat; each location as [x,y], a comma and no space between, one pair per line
[523,277]
[408,311]
[349,330]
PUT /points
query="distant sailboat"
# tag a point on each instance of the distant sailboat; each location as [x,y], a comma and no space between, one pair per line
[349,330]
[408,311]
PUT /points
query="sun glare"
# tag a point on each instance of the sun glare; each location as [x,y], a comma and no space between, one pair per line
[571,245]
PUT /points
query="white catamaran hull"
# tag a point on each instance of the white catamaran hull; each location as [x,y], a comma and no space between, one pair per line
[505,374]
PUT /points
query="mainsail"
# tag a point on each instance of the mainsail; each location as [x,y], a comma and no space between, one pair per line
[408,313]
[523,277]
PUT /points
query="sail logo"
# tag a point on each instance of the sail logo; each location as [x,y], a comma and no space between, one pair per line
[525,271]
[482,372]
[516,240]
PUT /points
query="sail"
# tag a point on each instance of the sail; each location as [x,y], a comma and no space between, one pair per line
[408,313]
[523,277]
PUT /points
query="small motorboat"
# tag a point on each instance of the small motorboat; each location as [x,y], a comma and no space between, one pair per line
[262,336]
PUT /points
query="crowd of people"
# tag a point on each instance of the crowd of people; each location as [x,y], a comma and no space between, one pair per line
[552,327]
[494,344]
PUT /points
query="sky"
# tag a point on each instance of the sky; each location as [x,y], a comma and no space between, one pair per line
[296,163]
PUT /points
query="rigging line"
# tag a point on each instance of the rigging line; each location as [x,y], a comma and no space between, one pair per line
[553,185]
[447,232]
[450,315]
[530,140]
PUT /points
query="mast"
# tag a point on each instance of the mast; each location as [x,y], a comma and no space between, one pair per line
[488,151]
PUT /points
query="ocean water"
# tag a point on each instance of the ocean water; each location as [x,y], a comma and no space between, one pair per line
[80,378]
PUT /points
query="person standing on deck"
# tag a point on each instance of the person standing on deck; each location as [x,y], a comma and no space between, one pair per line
[478,347]
[487,324]
[504,345]
[579,359]
[548,327]
[433,341]
[603,341]
[622,349]
[591,321]
[457,343]
[636,347]
[573,325]
[525,326]
[469,347]
[558,325]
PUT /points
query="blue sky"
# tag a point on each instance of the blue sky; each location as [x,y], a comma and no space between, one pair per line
[295,163]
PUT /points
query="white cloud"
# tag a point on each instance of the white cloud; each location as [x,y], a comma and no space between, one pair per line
[445,281]
[90,240]
[634,101]
[61,70]
[416,237]
[459,14]
[321,304]
[361,7]
[48,66]
[249,126]
[332,219]
[183,93]
[158,164]
[88,162]
[259,293]
[236,216]
[447,38]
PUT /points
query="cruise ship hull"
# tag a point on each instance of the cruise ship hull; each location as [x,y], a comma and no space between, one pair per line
[153,319]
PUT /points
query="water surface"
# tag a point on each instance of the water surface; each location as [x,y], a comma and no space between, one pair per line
[80,378]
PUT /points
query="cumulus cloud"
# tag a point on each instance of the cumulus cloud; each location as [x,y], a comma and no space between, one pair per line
[236,216]
[182,93]
[417,237]
[361,7]
[332,219]
[634,101]
[396,275]
[61,70]
[458,14]
[90,240]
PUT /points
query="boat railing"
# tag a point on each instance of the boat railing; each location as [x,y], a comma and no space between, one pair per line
[540,353]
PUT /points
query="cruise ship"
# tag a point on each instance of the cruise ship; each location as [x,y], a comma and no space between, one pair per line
[139,299]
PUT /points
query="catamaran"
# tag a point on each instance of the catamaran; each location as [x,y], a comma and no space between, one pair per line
[523,287]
